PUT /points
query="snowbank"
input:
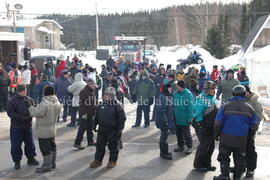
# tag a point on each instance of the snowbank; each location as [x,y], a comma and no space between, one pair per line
[170,55]
[88,57]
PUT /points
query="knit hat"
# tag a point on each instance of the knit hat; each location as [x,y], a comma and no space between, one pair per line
[90,81]
[181,83]
[230,71]
[21,88]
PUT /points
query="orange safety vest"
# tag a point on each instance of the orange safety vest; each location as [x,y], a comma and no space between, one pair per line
[14,82]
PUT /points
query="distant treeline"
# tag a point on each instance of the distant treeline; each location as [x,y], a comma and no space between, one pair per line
[177,25]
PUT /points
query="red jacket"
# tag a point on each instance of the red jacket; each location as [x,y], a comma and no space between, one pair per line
[214,75]
[61,66]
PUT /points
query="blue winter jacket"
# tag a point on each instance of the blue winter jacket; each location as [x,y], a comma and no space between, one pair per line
[235,119]
[61,85]
[164,110]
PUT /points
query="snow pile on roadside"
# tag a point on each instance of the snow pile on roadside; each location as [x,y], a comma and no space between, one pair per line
[88,57]
[170,55]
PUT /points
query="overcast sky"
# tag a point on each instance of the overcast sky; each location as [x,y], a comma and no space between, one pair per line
[88,6]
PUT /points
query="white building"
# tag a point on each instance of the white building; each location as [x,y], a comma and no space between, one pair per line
[38,33]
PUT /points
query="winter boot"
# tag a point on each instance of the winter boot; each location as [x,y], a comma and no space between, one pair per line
[78,146]
[249,174]
[54,159]
[164,152]
[179,149]
[47,164]
[225,172]
[237,173]
[111,164]
[17,165]
[188,150]
[32,162]
[95,164]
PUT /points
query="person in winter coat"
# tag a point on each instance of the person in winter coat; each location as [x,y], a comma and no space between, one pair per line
[153,64]
[107,82]
[202,79]
[73,70]
[4,83]
[110,118]
[87,108]
[205,109]
[234,121]
[110,63]
[215,74]
[26,77]
[244,80]
[158,82]
[183,104]
[75,88]
[33,83]
[21,127]
[99,84]
[153,73]
[132,81]
[165,115]
[104,72]
[46,114]
[192,82]
[171,80]
[223,73]
[251,154]
[48,72]
[119,92]
[15,79]
[60,67]
[225,86]
[172,83]
[145,91]
[61,89]
[40,87]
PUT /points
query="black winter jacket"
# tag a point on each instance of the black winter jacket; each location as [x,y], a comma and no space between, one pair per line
[110,116]
[4,83]
[17,110]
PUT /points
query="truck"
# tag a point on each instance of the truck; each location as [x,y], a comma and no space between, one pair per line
[131,47]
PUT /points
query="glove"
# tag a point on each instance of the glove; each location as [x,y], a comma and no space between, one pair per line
[27,102]
[151,100]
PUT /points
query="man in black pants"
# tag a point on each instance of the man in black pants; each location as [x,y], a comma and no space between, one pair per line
[21,127]
[86,114]
[110,118]
[234,121]
[205,110]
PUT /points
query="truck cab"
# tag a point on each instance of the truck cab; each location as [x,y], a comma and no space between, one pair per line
[131,47]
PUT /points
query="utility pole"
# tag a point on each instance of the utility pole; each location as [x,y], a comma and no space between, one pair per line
[97,31]
[18,7]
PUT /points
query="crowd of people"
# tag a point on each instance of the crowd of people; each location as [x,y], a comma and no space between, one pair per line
[180,100]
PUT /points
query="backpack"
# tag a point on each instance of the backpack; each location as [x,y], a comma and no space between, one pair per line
[209,114]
